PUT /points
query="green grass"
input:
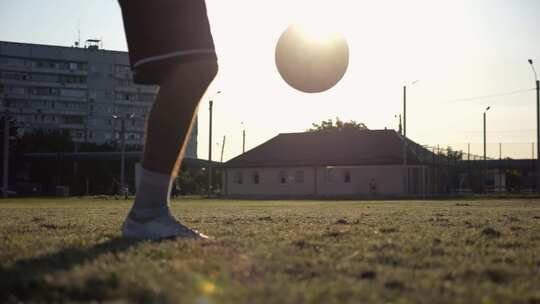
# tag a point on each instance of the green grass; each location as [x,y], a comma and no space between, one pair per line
[275,252]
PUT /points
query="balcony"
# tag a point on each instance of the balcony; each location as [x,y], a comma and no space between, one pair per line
[137,89]
[68,112]
[48,84]
[71,126]
[131,103]
[45,70]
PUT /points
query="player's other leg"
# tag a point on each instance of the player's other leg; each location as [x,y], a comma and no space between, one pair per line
[170,44]
[168,130]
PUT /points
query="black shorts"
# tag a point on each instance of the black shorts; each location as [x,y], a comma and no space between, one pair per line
[164,33]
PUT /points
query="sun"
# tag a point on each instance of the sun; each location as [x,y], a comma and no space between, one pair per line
[319,21]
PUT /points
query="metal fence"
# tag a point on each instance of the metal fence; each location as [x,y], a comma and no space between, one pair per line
[462,167]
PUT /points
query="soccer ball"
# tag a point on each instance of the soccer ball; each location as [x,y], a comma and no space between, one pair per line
[311,62]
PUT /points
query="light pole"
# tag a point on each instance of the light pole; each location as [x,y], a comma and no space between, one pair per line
[537,126]
[6,154]
[222,149]
[243,137]
[485,156]
[123,143]
[405,135]
[211,104]
[405,107]
[400,127]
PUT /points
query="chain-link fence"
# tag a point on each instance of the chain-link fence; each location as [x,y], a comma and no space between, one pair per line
[465,168]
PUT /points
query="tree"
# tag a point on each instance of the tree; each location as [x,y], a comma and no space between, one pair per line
[40,141]
[454,154]
[338,125]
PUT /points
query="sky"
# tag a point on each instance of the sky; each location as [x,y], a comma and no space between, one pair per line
[456,49]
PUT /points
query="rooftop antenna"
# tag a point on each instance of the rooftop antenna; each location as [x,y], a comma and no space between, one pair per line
[78,42]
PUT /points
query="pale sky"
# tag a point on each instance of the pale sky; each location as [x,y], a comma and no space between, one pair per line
[457,49]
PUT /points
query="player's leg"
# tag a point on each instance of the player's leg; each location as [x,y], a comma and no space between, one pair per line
[168,129]
[170,44]
[171,116]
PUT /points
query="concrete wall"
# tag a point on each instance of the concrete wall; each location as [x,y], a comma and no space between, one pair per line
[269,181]
[319,181]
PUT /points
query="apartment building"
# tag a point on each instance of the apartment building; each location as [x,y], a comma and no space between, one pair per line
[85,92]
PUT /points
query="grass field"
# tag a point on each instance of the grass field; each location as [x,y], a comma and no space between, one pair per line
[474,251]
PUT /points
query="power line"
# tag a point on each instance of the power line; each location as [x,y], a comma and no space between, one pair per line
[492,96]
[500,131]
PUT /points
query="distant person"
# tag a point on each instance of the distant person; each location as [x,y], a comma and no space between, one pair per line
[175,189]
[372,186]
[170,45]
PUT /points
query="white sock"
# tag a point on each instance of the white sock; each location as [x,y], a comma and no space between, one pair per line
[152,198]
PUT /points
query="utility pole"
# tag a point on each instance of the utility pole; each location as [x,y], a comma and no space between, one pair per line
[222,148]
[405,111]
[210,108]
[405,107]
[469,165]
[243,141]
[6,154]
[537,127]
[122,157]
[537,136]
[485,156]
[123,149]
[210,150]
[406,170]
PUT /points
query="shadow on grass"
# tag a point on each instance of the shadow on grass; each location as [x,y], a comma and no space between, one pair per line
[26,279]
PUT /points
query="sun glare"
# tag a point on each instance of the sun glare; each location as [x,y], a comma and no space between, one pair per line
[319,21]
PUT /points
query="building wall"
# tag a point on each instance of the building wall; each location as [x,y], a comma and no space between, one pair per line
[321,181]
[389,180]
[270,181]
[76,91]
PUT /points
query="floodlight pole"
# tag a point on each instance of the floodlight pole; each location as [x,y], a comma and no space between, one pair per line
[537,126]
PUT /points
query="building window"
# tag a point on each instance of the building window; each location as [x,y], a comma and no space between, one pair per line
[239,177]
[347,177]
[123,68]
[256,177]
[14,75]
[299,177]
[329,175]
[17,90]
[282,177]
[45,77]
[13,61]
[73,119]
